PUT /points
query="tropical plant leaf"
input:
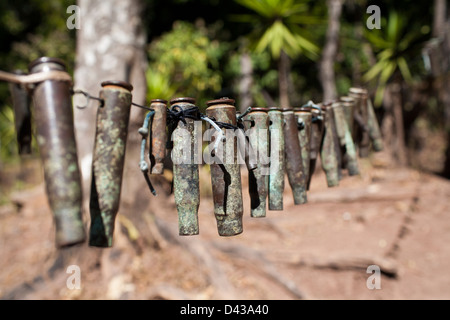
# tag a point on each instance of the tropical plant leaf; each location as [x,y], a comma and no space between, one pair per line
[375,71]
[278,26]
[393,28]
[308,46]
[387,72]
[258,6]
[404,69]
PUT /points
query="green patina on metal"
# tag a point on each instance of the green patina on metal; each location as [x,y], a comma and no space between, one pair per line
[374,128]
[257,124]
[277,159]
[185,171]
[317,130]
[348,150]
[348,105]
[297,177]
[225,171]
[361,134]
[108,161]
[304,121]
[328,151]
[56,139]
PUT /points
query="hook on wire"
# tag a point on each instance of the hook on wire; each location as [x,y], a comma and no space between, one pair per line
[145,132]
[142,107]
[88,98]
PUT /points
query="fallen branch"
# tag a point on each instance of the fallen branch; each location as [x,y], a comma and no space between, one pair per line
[262,265]
[388,267]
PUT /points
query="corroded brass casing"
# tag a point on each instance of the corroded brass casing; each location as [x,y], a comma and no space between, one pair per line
[108,160]
[304,124]
[317,131]
[185,170]
[225,171]
[297,177]
[347,147]
[158,136]
[361,134]
[53,117]
[374,128]
[277,159]
[257,124]
[329,152]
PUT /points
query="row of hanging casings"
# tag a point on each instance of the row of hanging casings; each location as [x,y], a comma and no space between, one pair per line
[301,135]
[332,130]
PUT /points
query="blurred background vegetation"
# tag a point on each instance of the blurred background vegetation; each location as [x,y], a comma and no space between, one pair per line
[196,48]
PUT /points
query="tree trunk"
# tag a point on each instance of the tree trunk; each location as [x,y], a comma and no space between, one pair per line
[439,17]
[327,76]
[440,58]
[110,46]
[393,127]
[283,79]
[246,82]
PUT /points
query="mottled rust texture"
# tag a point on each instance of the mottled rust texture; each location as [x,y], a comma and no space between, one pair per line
[246,151]
[347,147]
[108,161]
[337,145]
[361,134]
[258,178]
[297,177]
[328,152]
[317,130]
[225,172]
[348,105]
[185,174]
[158,136]
[277,162]
[22,115]
[374,128]
[304,119]
[53,117]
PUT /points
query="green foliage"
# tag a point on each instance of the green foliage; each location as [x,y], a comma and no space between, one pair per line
[185,62]
[395,44]
[280,25]
[33,28]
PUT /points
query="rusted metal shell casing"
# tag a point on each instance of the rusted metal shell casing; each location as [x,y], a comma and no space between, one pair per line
[158,136]
[329,148]
[225,171]
[277,161]
[53,117]
[304,120]
[374,128]
[185,173]
[245,149]
[348,105]
[22,115]
[361,134]
[108,160]
[294,163]
[257,124]
[317,130]
[347,147]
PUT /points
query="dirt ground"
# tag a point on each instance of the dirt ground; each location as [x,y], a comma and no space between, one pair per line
[395,219]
